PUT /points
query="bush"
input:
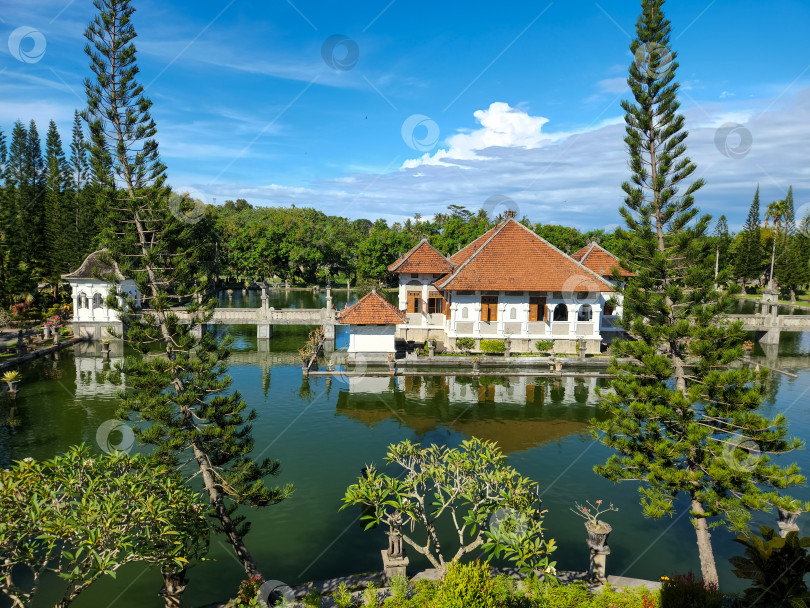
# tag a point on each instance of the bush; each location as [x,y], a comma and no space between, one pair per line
[492,346]
[776,567]
[343,597]
[544,346]
[686,591]
[467,586]
[400,590]
[465,345]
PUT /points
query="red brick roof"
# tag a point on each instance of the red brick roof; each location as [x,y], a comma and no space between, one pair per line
[600,260]
[372,309]
[422,258]
[510,257]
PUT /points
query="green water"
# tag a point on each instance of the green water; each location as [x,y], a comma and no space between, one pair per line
[326,430]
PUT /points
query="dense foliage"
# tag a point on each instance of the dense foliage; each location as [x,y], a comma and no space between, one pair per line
[683,417]
[83,516]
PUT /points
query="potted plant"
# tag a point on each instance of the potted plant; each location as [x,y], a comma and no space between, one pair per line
[392,363]
[12,379]
[557,365]
[476,363]
[105,347]
[598,530]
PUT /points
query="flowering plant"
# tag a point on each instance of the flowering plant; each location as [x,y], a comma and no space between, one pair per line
[748,345]
[592,512]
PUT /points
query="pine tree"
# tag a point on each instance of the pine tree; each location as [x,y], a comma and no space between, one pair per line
[748,259]
[721,239]
[680,412]
[18,275]
[790,272]
[33,211]
[60,237]
[84,216]
[177,395]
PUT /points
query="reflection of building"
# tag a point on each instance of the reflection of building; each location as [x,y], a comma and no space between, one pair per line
[90,381]
[509,282]
[91,285]
[517,412]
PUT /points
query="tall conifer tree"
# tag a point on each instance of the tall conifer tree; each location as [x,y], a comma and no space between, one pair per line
[166,252]
[748,264]
[680,413]
[19,278]
[60,237]
[790,271]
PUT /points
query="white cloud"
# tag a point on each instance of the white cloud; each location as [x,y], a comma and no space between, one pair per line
[502,126]
[612,85]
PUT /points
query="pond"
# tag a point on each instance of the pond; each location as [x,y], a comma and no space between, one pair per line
[326,430]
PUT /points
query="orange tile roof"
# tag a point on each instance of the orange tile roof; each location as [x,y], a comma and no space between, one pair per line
[372,309]
[422,258]
[600,260]
[510,257]
[462,255]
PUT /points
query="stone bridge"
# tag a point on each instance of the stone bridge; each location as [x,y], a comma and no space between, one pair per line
[769,326]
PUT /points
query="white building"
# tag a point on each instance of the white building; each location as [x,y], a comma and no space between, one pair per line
[373,321]
[90,285]
[511,283]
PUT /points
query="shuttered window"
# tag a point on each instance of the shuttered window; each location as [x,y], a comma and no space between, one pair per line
[537,308]
[489,308]
[414,301]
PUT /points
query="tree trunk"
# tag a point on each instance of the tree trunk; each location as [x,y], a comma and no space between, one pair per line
[174,583]
[792,294]
[708,567]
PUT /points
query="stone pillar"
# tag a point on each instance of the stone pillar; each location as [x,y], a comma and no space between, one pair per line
[264,298]
[264,331]
[394,560]
[329,331]
[329,297]
[597,569]
[787,522]
[75,306]
[197,330]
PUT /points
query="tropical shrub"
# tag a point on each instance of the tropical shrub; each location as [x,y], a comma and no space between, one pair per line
[467,586]
[776,568]
[465,345]
[343,597]
[82,516]
[544,346]
[492,346]
[687,591]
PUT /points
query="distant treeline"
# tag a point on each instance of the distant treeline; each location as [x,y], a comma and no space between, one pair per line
[51,214]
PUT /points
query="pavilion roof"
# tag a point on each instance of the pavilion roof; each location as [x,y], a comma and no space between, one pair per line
[372,309]
[600,260]
[423,258]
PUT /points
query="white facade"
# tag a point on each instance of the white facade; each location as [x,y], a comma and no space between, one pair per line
[371,339]
[89,299]
[571,316]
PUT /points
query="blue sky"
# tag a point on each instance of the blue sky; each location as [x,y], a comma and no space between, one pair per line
[519,99]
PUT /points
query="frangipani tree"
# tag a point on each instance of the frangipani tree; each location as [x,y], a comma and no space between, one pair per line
[83,516]
[489,503]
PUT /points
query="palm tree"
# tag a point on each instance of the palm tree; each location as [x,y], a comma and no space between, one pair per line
[777,211]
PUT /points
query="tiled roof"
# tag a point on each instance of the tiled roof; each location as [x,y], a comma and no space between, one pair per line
[93,267]
[600,260]
[372,309]
[464,254]
[422,258]
[511,257]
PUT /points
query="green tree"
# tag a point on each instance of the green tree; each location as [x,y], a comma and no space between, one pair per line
[681,416]
[778,211]
[60,232]
[721,245]
[491,506]
[748,262]
[83,516]
[168,252]
[791,261]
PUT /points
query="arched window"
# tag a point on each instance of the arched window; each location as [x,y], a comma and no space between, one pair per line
[561,312]
[82,300]
[463,312]
[585,313]
[513,313]
[97,301]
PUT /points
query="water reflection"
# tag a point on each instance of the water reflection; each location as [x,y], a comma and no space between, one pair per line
[519,412]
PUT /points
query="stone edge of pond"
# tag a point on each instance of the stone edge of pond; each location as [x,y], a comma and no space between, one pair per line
[358,582]
[39,353]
